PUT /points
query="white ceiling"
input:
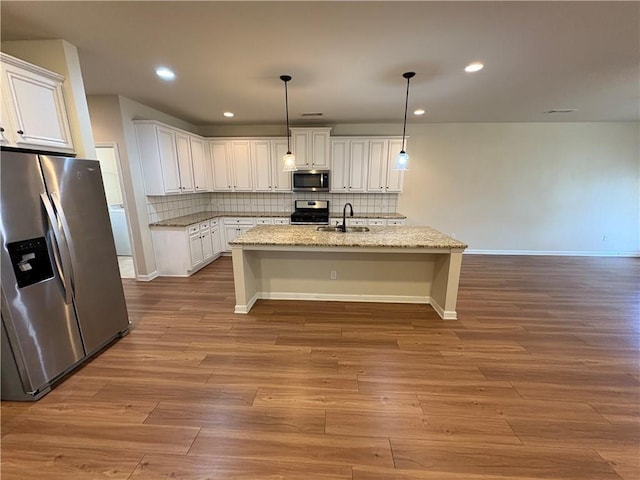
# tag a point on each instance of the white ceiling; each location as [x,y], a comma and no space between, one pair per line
[347,58]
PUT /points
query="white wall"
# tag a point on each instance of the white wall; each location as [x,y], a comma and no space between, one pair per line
[533,187]
[112,121]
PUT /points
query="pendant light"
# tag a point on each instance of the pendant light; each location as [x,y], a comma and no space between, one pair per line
[402,159]
[289,160]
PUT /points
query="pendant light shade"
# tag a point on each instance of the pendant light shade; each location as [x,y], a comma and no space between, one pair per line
[402,159]
[289,160]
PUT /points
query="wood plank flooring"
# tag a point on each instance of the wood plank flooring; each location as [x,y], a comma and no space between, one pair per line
[538,379]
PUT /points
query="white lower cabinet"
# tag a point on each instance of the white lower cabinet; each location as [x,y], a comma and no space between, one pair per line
[234,226]
[392,223]
[182,251]
[377,222]
[273,221]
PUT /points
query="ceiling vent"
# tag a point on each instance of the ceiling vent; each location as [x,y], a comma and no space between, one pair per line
[562,110]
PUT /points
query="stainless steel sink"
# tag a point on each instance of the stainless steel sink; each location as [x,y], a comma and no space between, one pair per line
[338,229]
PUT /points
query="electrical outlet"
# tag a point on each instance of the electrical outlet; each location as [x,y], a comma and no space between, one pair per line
[334,274]
[604,238]
[453,235]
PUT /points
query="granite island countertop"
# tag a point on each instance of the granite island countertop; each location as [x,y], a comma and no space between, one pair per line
[186,220]
[377,237]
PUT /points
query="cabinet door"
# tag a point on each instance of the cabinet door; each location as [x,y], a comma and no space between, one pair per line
[220,163]
[36,110]
[195,247]
[168,160]
[200,166]
[230,234]
[339,165]
[261,156]
[216,241]
[241,170]
[300,144]
[395,177]
[281,179]
[207,245]
[185,166]
[358,160]
[320,150]
[377,165]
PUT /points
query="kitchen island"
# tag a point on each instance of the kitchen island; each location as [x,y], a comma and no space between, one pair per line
[385,264]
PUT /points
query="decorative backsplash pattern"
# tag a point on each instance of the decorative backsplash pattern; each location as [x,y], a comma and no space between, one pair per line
[165,207]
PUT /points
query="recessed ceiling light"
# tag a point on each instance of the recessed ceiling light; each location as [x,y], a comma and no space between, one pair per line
[228,114]
[419,111]
[165,73]
[474,67]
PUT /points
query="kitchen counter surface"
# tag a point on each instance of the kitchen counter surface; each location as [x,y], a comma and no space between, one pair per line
[378,237]
[186,220]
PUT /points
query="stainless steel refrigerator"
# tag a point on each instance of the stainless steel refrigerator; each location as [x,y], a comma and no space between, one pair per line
[62,296]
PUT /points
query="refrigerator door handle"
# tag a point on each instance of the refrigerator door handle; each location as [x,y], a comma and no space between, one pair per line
[66,233]
[63,263]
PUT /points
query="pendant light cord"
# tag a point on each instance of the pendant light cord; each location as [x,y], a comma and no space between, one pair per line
[406,106]
[286,103]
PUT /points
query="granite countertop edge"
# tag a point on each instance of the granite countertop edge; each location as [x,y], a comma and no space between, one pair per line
[378,237]
[191,219]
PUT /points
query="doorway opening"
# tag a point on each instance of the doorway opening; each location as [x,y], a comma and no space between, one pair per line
[109,159]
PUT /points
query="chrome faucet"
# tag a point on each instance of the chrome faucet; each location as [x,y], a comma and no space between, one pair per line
[343,227]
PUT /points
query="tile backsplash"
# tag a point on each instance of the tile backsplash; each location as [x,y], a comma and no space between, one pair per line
[164,207]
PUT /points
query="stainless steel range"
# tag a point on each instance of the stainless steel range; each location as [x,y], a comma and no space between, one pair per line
[310,212]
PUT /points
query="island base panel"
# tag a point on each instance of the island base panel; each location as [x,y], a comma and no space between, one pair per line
[360,276]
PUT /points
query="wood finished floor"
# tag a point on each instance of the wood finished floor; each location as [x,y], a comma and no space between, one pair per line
[538,379]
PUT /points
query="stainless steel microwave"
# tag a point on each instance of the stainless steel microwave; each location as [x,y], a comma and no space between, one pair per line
[310,181]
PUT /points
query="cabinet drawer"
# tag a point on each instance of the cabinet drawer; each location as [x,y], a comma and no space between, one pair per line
[193,229]
[395,222]
[204,225]
[238,221]
[281,221]
[379,222]
[263,221]
[213,222]
[356,222]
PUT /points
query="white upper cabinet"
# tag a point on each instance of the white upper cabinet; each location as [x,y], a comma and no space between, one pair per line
[362,164]
[382,176]
[231,165]
[349,159]
[200,162]
[339,165]
[281,179]
[167,157]
[249,165]
[33,114]
[311,147]
[220,165]
[261,157]
[395,178]
[358,160]
[242,176]
[185,164]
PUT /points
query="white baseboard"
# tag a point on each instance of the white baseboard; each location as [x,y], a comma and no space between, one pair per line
[147,278]
[444,314]
[563,253]
[337,297]
[244,309]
